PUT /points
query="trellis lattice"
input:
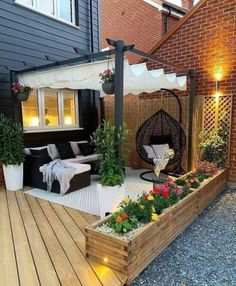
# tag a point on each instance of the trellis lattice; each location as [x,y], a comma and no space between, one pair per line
[217,113]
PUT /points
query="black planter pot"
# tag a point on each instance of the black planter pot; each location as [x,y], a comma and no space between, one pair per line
[22,96]
[108,88]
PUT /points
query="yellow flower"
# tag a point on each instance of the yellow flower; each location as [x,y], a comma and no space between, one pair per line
[126,200]
[150,198]
[142,207]
[154,216]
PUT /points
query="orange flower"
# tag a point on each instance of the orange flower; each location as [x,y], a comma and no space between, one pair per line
[119,219]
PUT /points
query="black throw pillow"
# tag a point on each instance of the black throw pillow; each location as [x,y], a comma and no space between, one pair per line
[65,150]
[42,153]
[86,148]
[161,139]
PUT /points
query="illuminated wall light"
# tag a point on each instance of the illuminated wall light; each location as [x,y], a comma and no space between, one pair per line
[105,259]
[218,74]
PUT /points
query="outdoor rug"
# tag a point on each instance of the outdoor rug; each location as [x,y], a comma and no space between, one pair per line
[86,199]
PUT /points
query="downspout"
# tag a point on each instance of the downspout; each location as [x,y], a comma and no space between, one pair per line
[17,112]
[92,51]
[166,20]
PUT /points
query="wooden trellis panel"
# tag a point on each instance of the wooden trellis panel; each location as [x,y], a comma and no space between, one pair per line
[216,113]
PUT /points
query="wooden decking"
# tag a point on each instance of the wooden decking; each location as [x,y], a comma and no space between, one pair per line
[44,244]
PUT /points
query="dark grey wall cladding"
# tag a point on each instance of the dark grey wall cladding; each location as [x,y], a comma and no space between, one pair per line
[28,39]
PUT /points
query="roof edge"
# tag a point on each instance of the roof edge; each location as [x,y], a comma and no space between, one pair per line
[176,27]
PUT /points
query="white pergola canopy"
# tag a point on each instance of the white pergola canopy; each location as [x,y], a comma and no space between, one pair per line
[137,78]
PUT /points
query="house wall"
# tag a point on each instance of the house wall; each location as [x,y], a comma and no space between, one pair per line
[206,42]
[28,39]
[134,21]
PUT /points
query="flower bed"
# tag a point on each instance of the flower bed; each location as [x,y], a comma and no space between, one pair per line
[133,255]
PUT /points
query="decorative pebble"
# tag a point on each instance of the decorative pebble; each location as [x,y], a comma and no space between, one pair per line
[127,236]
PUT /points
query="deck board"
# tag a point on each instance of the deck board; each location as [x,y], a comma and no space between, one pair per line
[44,244]
[27,271]
[8,275]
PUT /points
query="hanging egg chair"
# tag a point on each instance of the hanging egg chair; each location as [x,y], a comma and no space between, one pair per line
[162,128]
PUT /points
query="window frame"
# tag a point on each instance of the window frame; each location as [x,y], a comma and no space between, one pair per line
[56,15]
[41,112]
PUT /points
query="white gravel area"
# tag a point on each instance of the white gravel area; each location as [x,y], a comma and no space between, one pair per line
[203,255]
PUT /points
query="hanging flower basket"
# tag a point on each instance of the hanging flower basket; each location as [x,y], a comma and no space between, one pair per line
[109,87]
[22,96]
[21,91]
[108,81]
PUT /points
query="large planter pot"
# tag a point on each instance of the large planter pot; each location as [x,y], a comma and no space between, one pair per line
[22,96]
[108,88]
[13,175]
[131,256]
[109,198]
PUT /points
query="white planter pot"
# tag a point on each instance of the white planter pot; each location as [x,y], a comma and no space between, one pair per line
[13,175]
[109,198]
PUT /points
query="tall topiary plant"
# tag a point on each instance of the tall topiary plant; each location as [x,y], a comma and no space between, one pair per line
[11,142]
[108,141]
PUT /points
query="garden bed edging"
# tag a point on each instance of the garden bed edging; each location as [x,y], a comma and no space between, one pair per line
[130,257]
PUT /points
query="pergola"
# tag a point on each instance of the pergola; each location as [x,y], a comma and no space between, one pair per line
[128,78]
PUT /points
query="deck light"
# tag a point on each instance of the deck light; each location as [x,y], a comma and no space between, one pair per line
[105,259]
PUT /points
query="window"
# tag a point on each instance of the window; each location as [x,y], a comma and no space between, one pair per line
[50,109]
[61,9]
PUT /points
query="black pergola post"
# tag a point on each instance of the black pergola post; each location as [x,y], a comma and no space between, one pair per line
[192,75]
[120,49]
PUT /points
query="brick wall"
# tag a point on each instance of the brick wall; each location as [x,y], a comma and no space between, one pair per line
[187,4]
[133,21]
[206,42]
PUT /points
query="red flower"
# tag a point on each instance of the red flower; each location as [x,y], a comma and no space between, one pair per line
[157,191]
[165,193]
[125,216]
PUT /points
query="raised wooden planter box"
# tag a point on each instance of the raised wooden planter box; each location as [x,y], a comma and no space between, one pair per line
[131,257]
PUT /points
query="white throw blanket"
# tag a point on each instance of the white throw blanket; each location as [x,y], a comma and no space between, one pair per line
[163,155]
[60,171]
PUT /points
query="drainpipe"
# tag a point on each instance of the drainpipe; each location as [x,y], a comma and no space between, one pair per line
[92,51]
[166,20]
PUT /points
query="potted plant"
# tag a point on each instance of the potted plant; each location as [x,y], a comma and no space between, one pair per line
[108,81]
[21,91]
[108,142]
[11,153]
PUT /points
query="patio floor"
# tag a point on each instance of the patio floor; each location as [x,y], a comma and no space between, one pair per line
[43,244]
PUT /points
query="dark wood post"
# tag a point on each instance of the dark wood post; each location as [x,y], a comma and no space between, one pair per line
[192,75]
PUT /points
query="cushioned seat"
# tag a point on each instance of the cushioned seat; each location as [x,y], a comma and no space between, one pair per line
[82,159]
[79,168]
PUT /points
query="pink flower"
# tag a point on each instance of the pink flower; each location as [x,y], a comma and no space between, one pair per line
[179,191]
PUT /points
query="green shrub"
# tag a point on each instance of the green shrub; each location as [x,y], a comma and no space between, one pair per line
[108,144]
[11,142]
[212,146]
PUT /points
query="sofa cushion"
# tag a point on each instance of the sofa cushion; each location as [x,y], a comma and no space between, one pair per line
[75,147]
[65,150]
[53,152]
[27,150]
[42,153]
[86,148]
[83,159]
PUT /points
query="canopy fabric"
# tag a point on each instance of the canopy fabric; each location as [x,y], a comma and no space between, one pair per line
[137,78]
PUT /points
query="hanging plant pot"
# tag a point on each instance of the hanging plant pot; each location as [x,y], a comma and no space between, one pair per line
[108,88]
[22,96]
